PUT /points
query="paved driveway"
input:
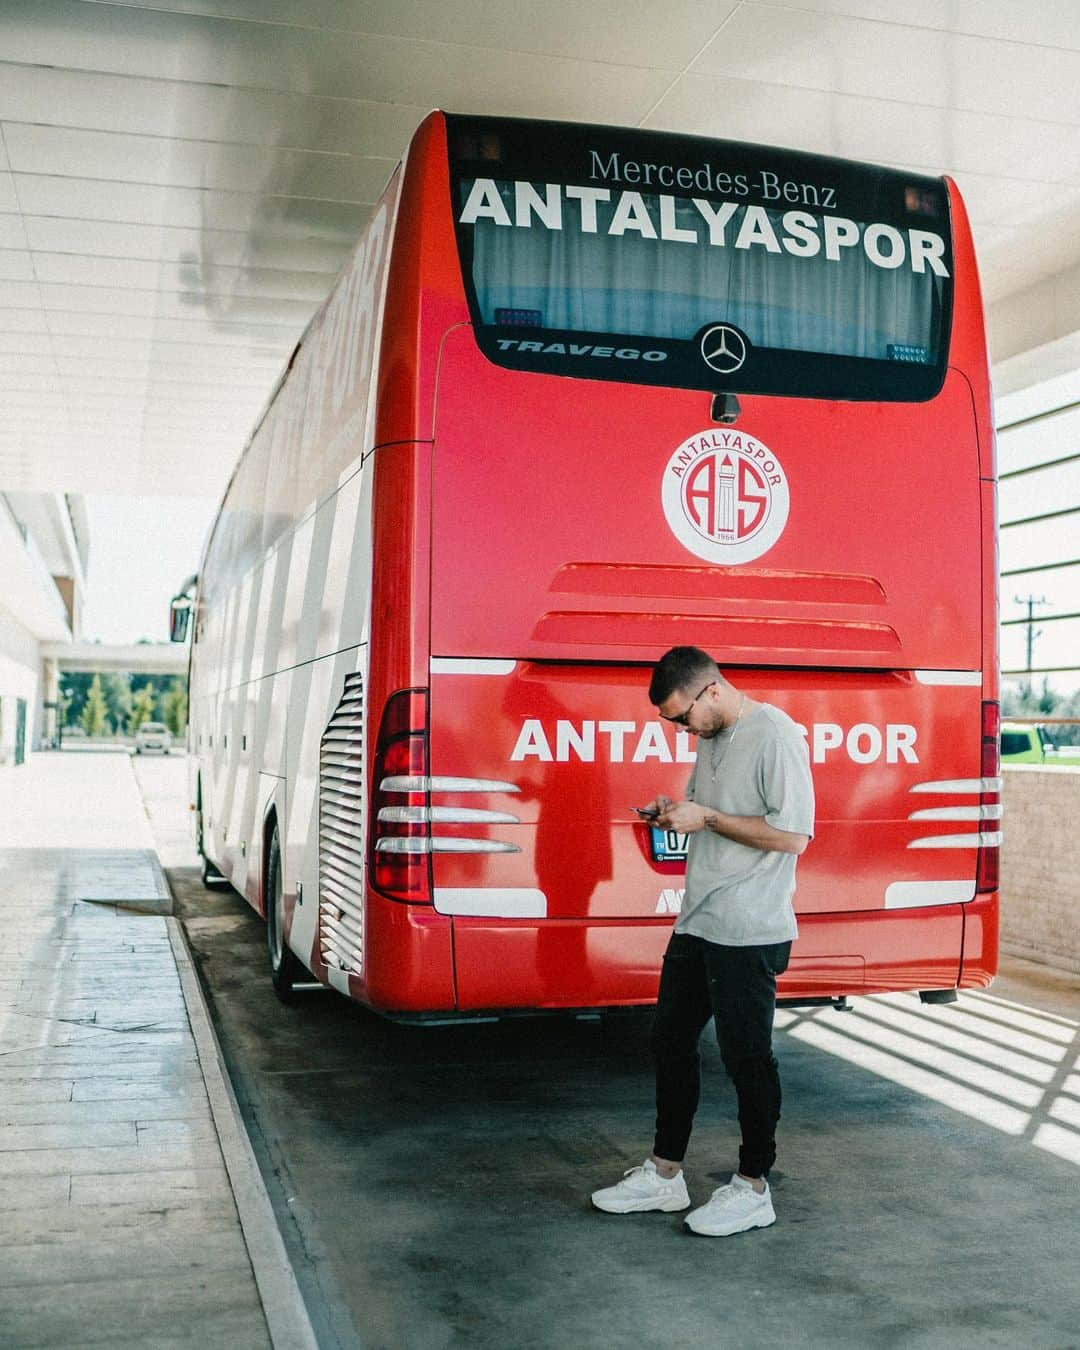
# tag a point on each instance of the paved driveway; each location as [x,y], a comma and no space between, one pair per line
[432,1183]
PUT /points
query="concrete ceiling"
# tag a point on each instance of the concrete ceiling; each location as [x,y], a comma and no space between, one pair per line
[179,182]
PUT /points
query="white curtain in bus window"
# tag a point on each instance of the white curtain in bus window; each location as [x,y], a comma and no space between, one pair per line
[630,284]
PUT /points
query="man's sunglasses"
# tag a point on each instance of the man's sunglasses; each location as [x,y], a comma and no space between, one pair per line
[683,719]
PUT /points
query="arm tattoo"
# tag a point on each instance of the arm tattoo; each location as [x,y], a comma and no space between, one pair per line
[712,822]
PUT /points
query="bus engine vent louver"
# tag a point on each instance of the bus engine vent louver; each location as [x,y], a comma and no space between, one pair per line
[341,843]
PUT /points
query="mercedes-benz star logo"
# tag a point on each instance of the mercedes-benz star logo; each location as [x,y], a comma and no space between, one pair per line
[723,348]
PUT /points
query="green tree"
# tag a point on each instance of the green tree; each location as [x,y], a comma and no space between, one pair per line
[95,709]
[1024,701]
[175,704]
[78,682]
[116,685]
[142,707]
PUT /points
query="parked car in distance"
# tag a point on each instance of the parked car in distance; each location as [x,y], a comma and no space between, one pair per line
[1023,744]
[153,736]
[1028,743]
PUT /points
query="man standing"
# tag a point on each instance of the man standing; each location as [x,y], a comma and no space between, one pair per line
[749,814]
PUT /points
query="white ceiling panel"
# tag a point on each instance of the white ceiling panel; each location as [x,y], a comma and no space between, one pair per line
[28,321]
[180,182]
[187,208]
[327,63]
[1047,23]
[25,381]
[156,305]
[20,351]
[135,274]
[202,332]
[200,112]
[671,33]
[18,294]
[75,354]
[16,265]
[153,374]
[164,244]
[892,60]
[64,151]
[12,234]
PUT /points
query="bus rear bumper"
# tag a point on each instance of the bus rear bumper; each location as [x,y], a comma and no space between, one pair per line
[578,964]
[420,961]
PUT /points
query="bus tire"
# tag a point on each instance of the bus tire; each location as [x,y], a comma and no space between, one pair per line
[285,969]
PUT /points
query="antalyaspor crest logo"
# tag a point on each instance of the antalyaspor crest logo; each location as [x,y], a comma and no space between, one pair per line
[725,496]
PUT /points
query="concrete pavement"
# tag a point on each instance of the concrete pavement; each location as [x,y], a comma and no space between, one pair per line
[122,1157]
[431,1184]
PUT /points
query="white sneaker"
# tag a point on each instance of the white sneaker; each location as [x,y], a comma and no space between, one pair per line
[732,1209]
[643,1188]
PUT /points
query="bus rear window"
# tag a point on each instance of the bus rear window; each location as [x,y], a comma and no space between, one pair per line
[811,277]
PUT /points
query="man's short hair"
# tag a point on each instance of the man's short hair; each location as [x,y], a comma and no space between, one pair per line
[685,668]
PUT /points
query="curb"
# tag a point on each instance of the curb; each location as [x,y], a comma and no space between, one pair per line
[283,1306]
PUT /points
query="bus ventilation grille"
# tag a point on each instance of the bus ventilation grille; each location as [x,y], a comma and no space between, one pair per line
[341,842]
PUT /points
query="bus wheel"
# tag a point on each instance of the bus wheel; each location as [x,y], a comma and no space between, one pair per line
[285,969]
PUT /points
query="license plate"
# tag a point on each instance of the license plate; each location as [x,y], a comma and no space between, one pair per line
[668,845]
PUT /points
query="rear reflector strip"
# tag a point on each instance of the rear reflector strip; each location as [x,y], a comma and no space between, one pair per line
[915,894]
[992,812]
[988,862]
[401,754]
[957,785]
[509,902]
[446,815]
[984,839]
[441,844]
[415,783]
[452,665]
[966,677]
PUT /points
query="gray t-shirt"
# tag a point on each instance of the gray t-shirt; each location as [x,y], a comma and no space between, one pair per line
[737,895]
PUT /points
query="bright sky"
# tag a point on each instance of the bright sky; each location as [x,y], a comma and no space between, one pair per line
[142,549]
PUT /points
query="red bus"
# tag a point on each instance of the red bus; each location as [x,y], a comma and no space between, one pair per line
[582,394]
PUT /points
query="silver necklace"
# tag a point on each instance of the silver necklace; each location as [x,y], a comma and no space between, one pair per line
[723,755]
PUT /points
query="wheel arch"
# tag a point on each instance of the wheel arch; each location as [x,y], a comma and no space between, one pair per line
[269,825]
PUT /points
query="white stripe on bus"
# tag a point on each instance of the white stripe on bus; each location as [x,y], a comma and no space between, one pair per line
[507,902]
[984,839]
[453,665]
[966,677]
[958,813]
[914,894]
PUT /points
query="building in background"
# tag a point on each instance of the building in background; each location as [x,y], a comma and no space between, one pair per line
[1039,475]
[44,550]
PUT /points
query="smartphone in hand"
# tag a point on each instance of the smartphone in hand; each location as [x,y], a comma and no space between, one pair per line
[645,813]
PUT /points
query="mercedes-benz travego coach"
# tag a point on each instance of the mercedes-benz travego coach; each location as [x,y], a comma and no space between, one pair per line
[579,395]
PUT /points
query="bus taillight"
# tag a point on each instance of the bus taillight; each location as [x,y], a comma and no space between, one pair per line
[400,834]
[987,868]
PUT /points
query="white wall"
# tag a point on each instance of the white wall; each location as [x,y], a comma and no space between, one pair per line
[20,668]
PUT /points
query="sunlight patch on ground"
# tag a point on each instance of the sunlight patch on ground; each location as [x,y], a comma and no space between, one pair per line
[1003,1064]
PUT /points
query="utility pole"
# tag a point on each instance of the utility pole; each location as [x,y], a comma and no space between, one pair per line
[1031,601]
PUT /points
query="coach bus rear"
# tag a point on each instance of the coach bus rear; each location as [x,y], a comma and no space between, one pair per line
[640,390]
[582,394]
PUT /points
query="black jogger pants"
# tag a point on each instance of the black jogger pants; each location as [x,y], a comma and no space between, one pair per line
[736,986]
